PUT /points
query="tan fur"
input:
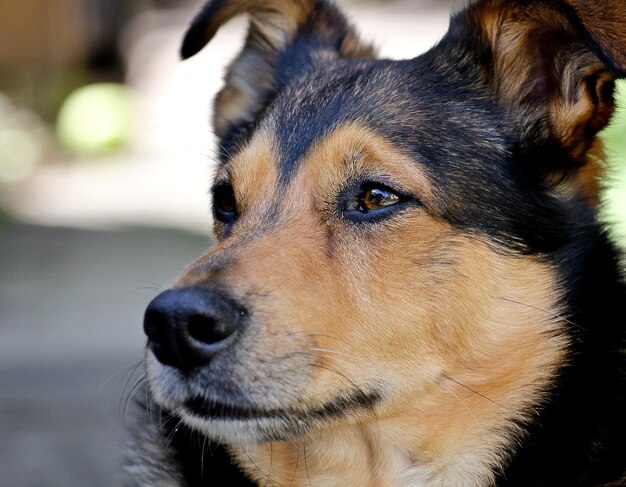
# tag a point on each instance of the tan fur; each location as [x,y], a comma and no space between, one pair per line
[587,180]
[256,176]
[463,339]
[454,339]
[576,114]
[276,20]
[576,109]
[578,119]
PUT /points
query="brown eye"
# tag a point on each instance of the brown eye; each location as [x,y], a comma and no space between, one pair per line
[224,203]
[374,199]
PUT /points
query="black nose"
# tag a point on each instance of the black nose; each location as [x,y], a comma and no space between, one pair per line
[187,327]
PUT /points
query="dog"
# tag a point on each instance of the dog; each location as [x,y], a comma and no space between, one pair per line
[411,285]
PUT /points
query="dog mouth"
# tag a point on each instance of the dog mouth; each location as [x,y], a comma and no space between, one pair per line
[236,424]
[349,403]
[214,410]
[212,405]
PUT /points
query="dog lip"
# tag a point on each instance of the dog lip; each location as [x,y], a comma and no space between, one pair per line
[343,405]
[215,410]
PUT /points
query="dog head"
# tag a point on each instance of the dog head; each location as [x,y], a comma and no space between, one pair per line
[387,229]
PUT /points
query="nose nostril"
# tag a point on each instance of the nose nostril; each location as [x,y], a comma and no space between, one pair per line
[155,325]
[206,330]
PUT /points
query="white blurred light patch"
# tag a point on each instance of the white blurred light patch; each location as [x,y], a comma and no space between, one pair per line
[24,142]
[19,154]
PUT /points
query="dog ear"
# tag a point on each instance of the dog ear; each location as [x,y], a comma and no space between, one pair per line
[605,23]
[284,37]
[552,65]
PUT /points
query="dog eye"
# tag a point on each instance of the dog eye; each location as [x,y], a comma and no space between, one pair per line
[224,203]
[372,201]
[373,197]
[377,198]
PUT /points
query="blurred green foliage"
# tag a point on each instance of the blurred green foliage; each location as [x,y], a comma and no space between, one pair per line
[96,119]
[614,196]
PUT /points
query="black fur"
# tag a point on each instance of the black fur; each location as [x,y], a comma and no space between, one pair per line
[202,461]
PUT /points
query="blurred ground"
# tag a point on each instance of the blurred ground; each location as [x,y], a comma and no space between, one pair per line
[71,307]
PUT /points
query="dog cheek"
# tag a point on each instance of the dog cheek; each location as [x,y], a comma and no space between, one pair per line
[388,302]
[412,301]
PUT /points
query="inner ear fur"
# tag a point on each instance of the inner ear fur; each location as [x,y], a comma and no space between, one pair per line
[553,66]
[253,78]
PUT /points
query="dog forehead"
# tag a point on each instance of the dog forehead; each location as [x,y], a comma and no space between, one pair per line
[313,106]
[430,114]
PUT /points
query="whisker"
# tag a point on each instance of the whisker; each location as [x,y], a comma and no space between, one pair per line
[130,377]
[154,284]
[352,383]
[548,312]
[271,445]
[336,352]
[165,423]
[295,471]
[319,458]
[137,384]
[266,475]
[306,463]
[121,372]
[170,437]
[329,336]
[477,393]
[202,453]
[142,288]
[336,359]
[467,408]
[150,405]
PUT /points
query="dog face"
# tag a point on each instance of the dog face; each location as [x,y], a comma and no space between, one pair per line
[387,232]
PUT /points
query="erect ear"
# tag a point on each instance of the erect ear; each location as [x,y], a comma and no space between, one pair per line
[552,64]
[284,37]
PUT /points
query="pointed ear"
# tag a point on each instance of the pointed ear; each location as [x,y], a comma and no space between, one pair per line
[552,65]
[313,30]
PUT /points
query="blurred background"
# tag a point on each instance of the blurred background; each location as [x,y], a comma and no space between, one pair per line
[106,155]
